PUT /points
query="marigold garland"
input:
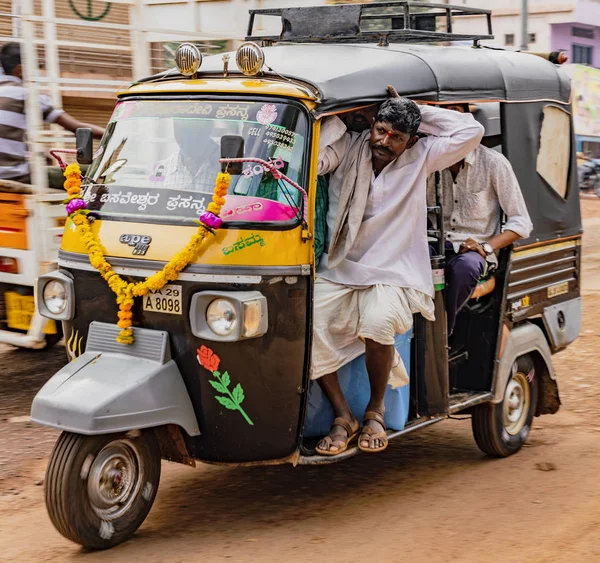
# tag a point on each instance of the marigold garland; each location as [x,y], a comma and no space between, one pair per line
[126,292]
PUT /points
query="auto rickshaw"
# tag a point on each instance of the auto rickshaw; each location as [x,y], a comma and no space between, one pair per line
[216,365]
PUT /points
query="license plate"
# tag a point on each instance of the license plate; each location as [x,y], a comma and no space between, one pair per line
[20,310]
[165,300]
[558,289]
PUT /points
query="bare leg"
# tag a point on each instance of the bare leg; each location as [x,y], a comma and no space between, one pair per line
[330,385]
[379,359]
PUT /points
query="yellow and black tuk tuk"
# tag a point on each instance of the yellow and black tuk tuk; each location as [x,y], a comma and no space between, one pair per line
[187,308]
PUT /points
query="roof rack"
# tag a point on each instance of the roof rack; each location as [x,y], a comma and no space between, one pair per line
[375,22]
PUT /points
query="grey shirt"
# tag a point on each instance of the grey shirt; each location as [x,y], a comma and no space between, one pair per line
[484,189]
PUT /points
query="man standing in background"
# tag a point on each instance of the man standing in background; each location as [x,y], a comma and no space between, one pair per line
[13,123]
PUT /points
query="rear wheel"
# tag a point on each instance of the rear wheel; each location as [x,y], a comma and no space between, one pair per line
[501,429]
[99,489]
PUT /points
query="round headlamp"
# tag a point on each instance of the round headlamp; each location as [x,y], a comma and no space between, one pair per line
[188,59]
[250,58]
[55,297]
[221,317]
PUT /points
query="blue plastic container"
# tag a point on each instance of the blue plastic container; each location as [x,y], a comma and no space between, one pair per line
[354,382]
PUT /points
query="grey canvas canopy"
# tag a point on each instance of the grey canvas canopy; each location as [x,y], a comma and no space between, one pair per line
[348,75]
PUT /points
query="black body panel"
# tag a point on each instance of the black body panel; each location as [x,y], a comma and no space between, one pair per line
[272,369]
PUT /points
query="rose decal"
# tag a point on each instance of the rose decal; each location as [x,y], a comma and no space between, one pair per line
[208,359]
[231,400]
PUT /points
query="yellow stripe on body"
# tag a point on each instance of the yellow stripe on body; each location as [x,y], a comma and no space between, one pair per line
[542,249]
[231,86]
[280,248]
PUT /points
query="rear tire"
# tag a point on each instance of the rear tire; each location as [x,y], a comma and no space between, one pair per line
[99,489]
[501,429]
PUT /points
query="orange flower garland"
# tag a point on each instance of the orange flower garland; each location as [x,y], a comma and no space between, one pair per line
[126,292]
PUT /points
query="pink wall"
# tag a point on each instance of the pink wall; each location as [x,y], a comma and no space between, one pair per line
[562,38]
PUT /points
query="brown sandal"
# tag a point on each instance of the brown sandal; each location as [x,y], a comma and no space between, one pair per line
[335,439]
[370,434]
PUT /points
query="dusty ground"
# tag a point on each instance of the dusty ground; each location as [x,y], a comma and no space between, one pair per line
[431,497]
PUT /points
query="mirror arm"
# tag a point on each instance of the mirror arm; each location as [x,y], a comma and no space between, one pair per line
[61,162]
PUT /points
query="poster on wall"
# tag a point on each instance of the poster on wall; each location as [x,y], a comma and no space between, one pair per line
[586,100]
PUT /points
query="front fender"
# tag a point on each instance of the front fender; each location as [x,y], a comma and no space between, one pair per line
[103,392]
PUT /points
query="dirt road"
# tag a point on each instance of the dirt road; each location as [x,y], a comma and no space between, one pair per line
[431,497]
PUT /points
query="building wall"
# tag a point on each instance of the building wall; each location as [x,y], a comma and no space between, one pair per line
[506,20]
[563,39]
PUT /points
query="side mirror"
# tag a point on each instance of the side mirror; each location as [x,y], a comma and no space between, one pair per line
[232,146]
[84,141]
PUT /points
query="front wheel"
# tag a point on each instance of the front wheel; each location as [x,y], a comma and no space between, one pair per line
[99,489]
[501,429]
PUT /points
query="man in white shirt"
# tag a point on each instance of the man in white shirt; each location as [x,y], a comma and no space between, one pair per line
[475,194]
[195,165]
[377,271]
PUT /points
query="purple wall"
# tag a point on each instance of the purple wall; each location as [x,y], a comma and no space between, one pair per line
[562,38]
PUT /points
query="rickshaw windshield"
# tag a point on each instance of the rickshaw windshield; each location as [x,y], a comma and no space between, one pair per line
[160,158]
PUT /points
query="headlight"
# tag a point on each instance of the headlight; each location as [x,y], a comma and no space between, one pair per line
[221,317]
[188,59]
[250,58]
[55,297]
[228,316]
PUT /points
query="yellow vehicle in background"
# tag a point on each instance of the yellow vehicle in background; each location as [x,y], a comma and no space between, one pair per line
[31,224]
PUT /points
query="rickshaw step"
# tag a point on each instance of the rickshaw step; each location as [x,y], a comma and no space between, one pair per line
[314,459]
[461,401]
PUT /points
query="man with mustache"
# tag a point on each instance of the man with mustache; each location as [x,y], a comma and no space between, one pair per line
[376,273]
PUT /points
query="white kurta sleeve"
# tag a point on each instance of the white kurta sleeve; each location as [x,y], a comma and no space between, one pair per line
[453,135]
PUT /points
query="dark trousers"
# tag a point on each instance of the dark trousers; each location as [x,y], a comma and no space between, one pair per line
[462,273]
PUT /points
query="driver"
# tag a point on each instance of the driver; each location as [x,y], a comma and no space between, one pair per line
[195,165]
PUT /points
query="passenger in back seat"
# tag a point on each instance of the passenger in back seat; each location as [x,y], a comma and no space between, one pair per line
[475,194]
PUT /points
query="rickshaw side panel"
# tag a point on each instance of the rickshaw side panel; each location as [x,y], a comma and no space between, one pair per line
[271,370]
[553,216]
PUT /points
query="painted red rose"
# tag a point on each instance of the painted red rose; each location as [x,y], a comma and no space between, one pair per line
[208,359]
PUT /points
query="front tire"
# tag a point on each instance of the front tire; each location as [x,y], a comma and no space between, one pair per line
[501,429]
[99,489]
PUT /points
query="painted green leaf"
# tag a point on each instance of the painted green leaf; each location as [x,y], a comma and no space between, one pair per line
[226,380]
[227,403]
[217,386]
[238,394]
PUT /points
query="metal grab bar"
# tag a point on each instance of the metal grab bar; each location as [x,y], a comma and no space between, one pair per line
[277,175]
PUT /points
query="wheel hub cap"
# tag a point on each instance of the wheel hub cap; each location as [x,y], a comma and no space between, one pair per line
[115,479]
[516,404]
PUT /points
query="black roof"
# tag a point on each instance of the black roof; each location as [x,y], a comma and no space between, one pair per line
[347,75]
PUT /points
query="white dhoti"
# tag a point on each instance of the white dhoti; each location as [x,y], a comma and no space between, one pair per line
[344,316]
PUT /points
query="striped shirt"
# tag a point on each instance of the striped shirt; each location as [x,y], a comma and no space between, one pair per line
[13,127]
